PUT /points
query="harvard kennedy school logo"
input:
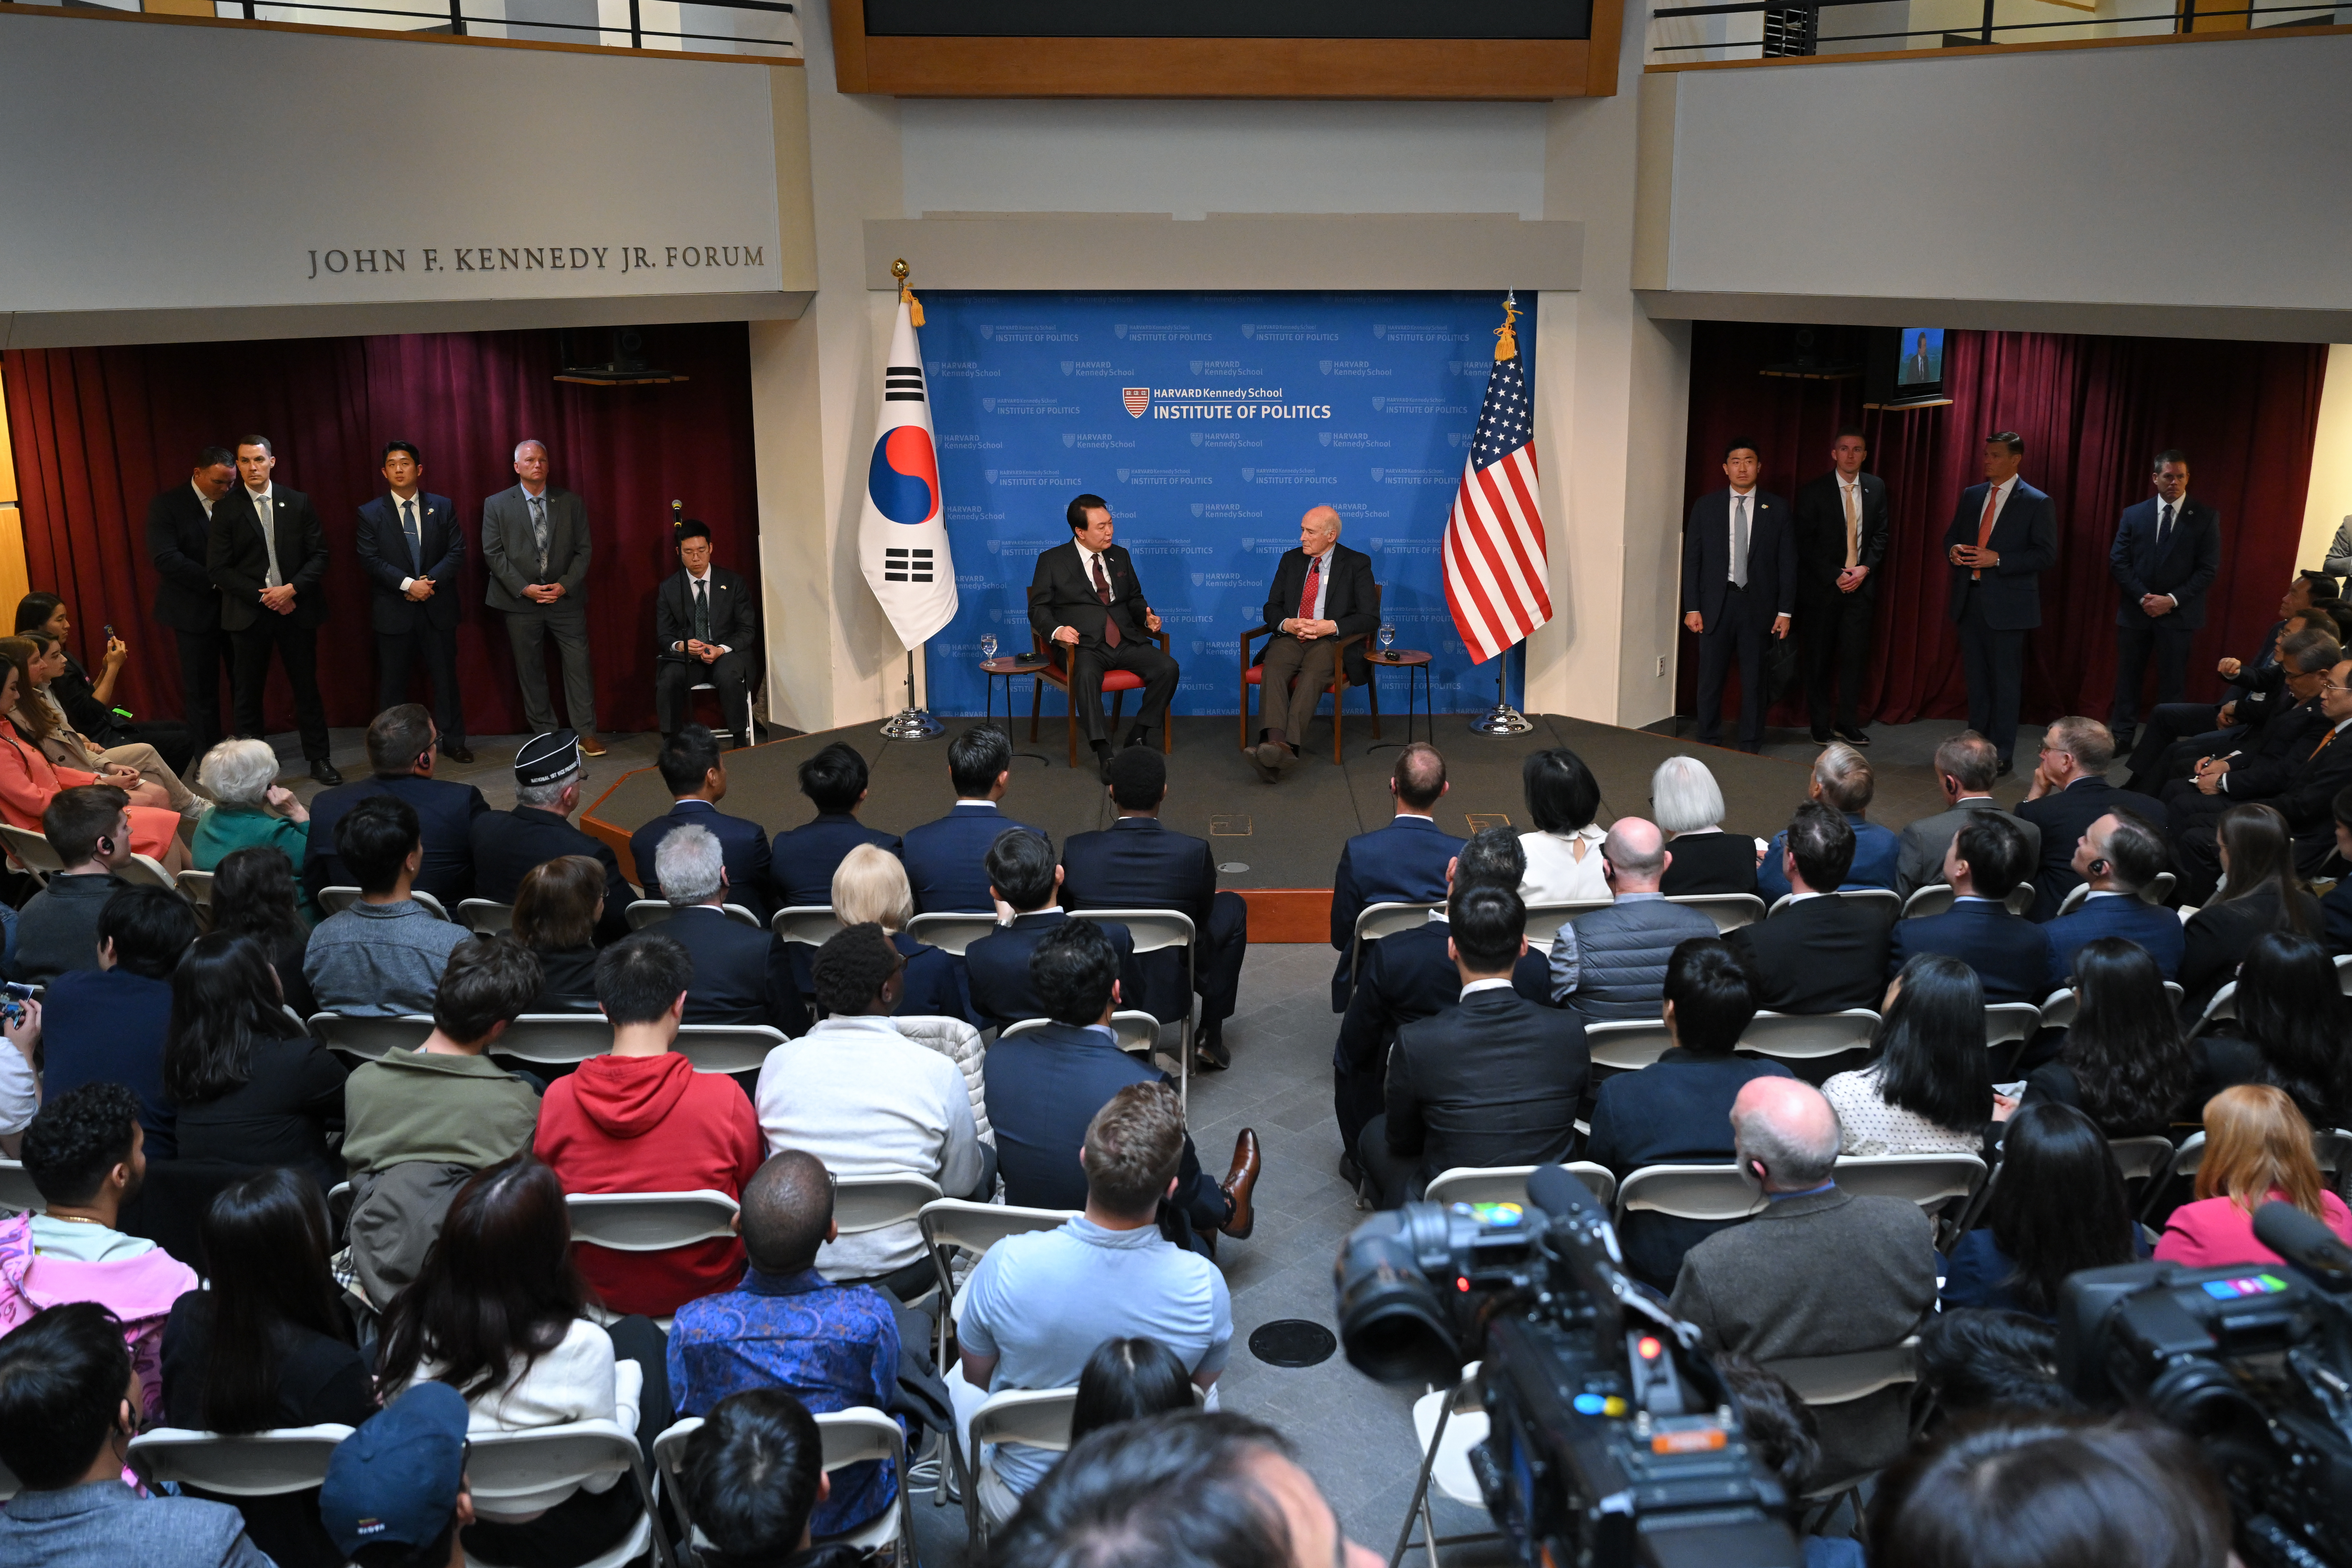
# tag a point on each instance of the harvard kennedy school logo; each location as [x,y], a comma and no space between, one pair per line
[1137,398]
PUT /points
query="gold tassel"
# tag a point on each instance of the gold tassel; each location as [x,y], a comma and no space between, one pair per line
[1507,336]
[914,306]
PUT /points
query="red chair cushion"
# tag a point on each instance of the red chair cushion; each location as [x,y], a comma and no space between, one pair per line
[1256,676]
[1121,680]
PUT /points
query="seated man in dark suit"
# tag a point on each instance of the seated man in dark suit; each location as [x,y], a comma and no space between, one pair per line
[2118,856]
[694,770]
[2337,906]
[1023,876]
[1964,767]
[1322,593]
[740,975]
[1823,952]
[1843,780]
[1403,863]
[1677,1109]
[1985,859]
[2181,733]
[549,777]
[2070,793]
[2300,778]
[943,857]
[1136,864]
[403,745]
[1045,1086]
[1494,1081]
[706,628]
[806,858]
[1816,1272]
[1412,975]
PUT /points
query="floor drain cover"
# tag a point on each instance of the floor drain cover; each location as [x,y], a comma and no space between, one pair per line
[1231,867]
[1292,1342]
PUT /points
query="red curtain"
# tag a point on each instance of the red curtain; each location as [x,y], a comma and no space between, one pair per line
[97,431]
[2092,411]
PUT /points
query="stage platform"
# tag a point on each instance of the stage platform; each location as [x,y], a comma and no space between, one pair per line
[1277,845]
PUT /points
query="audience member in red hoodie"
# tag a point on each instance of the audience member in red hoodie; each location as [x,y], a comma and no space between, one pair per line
[643,1120]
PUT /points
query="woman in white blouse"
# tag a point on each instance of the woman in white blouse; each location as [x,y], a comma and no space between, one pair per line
[1929,1090]
[1564,851]
[498,1312]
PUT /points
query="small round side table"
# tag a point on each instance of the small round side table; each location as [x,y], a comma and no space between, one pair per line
[1412,661]
[1009,666]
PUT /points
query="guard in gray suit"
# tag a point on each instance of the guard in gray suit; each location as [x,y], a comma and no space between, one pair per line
[535,544]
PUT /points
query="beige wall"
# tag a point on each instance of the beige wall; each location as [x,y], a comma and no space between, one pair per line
[2330,499]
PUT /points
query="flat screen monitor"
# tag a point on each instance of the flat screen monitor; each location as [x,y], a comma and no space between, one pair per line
[1905,365]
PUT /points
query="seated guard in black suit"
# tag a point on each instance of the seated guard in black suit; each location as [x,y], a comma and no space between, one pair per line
[1021,872]
[1823,952]
[740,975]
[1136,864]
[1322,593]
[705,627]
[548,779]
[1085,596]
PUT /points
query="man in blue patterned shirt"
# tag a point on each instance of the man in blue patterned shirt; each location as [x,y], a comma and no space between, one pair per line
[786,1326]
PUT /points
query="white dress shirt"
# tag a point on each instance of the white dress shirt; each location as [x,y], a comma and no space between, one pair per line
[205,499]
[1999,499]
[702,577]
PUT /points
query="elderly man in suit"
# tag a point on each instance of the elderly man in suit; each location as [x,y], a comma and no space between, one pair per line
[1840,539]
[1821,953]
[1402,863]
[1739,584]
[1322,593]
[535,544]
[693,771]
[1023,877]
[1817,1271]
[1966,764]
[412,548]
[402,747]
[2004,535]
[2300,778]
[549,777]
[2069,792]
[944,855]
[2118,856]
[268,556]
[2166,552]
[740,975]
[1843,780]
[2248,680]
[1086,596]
[1138,864]
[179,532]
[705,627]
[1986,858]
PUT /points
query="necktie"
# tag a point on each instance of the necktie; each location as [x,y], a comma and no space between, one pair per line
[415,543]
[1102,592]
[1852,526]
[538,530]
[1740,542]
[1984,523]
[268,542]
[1307,597]
[703,610]
[2324,741]
[2163,525]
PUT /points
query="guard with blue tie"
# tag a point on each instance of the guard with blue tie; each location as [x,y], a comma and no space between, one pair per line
[412,547]
[2167,550]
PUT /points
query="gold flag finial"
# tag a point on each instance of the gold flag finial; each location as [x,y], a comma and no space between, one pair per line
[900,270]
[1507,336]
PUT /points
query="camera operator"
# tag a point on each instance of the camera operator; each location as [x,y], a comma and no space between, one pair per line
[2028,1490]
[1818,1273]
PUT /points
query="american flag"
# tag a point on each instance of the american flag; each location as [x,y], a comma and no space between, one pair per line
[1496,572]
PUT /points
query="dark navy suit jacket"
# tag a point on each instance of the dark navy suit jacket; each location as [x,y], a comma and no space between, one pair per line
[2008,951]
[446,814]
[1408,977]
[2184,568]
[744,843]
[508,844]
[2154,927]
[1043,1086]
[1771,558]
[2061,817]
[944,859]
[806,856]
[740,975]
[998,967]
[1404,862]
[1877,860]
[2025,537]
[1136,864]
[937,985]
[381,546]
[2336,908]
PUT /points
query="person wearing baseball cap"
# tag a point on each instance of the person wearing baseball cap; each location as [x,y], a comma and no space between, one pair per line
[549,778]
[395,1492]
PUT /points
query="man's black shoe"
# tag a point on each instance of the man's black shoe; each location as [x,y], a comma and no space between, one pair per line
[2008,766]
[1209,1054]
[324,772]
[1135,737]
[1853,734]
[457,753]
[1821,737]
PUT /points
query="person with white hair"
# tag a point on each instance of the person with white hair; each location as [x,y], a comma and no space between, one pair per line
[870,886]
[741,975]
[1843,781]
[1817,1271]
[535,548]
[1687,805]
[249,807]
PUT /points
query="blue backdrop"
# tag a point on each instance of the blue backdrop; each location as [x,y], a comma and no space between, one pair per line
[1210,422]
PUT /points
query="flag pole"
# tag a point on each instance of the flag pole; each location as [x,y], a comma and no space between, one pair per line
[910,723]
[1502,719]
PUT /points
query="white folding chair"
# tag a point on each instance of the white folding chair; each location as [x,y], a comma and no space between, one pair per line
[1688,1192]
[958,1225]
[1931,1180]
[2021,899]
[365,1039]
[516,1472]
[199,886]
[486,917]
[1159,930]
[1935,898]
[1627,1044]
[1859,895]
[1822,1380]
[1508,1183]
[555,1039]
[335,901]
[245,1464]
[1377,921]
[727,1047]
[2224,1003]
[1137,1031]
[1543,921]
[2331,1148]
[806,925]
[2344,973]
[1037,1416]
[643,913]
[951,932]
[2075,900]
[17,1193]
[1729,911]
[145,872]
[2186,1158]
[2009,1021]
[31,850]
[2141,1159]
[1449,1423]
[1808,1037]
[650,1222]
[862,1203]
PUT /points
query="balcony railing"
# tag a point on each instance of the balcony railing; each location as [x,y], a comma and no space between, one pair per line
[1764,29]
[765,29]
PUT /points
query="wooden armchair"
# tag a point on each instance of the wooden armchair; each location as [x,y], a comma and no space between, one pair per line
[1254,675]
[1117,684]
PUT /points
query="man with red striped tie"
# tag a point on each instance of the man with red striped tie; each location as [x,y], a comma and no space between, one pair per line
[1084,595]
[1322,594]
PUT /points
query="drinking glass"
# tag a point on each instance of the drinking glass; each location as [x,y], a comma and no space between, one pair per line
[988,645]
[1388,636]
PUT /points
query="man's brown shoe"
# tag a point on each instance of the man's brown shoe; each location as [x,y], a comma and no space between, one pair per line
[590,746]
[1240,1182]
